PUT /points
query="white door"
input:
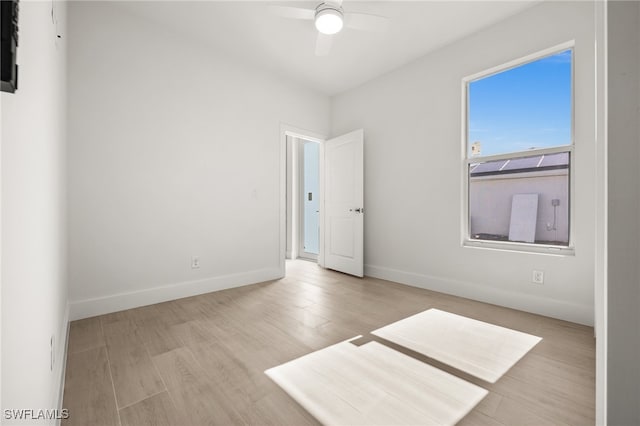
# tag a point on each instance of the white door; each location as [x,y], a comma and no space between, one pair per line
[344,203]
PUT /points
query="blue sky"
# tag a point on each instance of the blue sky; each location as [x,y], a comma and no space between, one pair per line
[522,108]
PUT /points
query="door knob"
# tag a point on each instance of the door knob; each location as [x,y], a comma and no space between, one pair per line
[358,210]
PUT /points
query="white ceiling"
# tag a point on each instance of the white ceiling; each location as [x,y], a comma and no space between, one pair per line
[247,31]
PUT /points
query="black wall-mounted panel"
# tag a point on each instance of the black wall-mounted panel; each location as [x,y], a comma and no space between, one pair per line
[8,45]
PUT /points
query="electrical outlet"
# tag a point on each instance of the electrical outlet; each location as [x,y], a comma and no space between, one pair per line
[53,351]
[537,277]
[195,262]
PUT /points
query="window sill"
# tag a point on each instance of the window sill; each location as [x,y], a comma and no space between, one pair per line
[520,247]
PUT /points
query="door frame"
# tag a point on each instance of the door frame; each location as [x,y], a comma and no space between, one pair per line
[296,132]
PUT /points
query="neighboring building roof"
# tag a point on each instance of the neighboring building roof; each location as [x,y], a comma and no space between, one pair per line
[521,165]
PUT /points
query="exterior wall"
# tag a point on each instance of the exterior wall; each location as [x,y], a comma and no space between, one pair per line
[490,203]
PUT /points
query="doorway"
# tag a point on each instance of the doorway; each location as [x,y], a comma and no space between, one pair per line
[331,197]
[303,198]
[309,205]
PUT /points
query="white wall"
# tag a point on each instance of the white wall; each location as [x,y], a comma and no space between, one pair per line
[174,152]
[413,177]
[623,384]
[311,183]
[34,282]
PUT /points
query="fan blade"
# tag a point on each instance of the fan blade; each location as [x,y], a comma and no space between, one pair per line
[292,12]
[366,22]
[323,44]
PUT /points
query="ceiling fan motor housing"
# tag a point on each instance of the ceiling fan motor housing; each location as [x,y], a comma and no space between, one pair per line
[329,18]
[329,5]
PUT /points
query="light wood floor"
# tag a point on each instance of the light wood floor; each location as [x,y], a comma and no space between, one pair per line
[200,360]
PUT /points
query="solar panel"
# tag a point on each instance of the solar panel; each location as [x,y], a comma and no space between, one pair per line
[489,166]
[523,163]
[560,159]
[532,163]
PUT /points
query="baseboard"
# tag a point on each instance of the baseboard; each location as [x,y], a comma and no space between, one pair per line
[61,363]
[118,302]
[581,314]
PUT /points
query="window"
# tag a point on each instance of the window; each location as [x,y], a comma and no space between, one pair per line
[519,154]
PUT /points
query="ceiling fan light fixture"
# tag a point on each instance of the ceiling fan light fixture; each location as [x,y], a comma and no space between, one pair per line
[329,21]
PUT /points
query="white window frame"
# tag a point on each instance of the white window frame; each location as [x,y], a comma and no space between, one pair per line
[467,241]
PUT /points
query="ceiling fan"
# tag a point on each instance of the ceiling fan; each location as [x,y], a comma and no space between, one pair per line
[329,19]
